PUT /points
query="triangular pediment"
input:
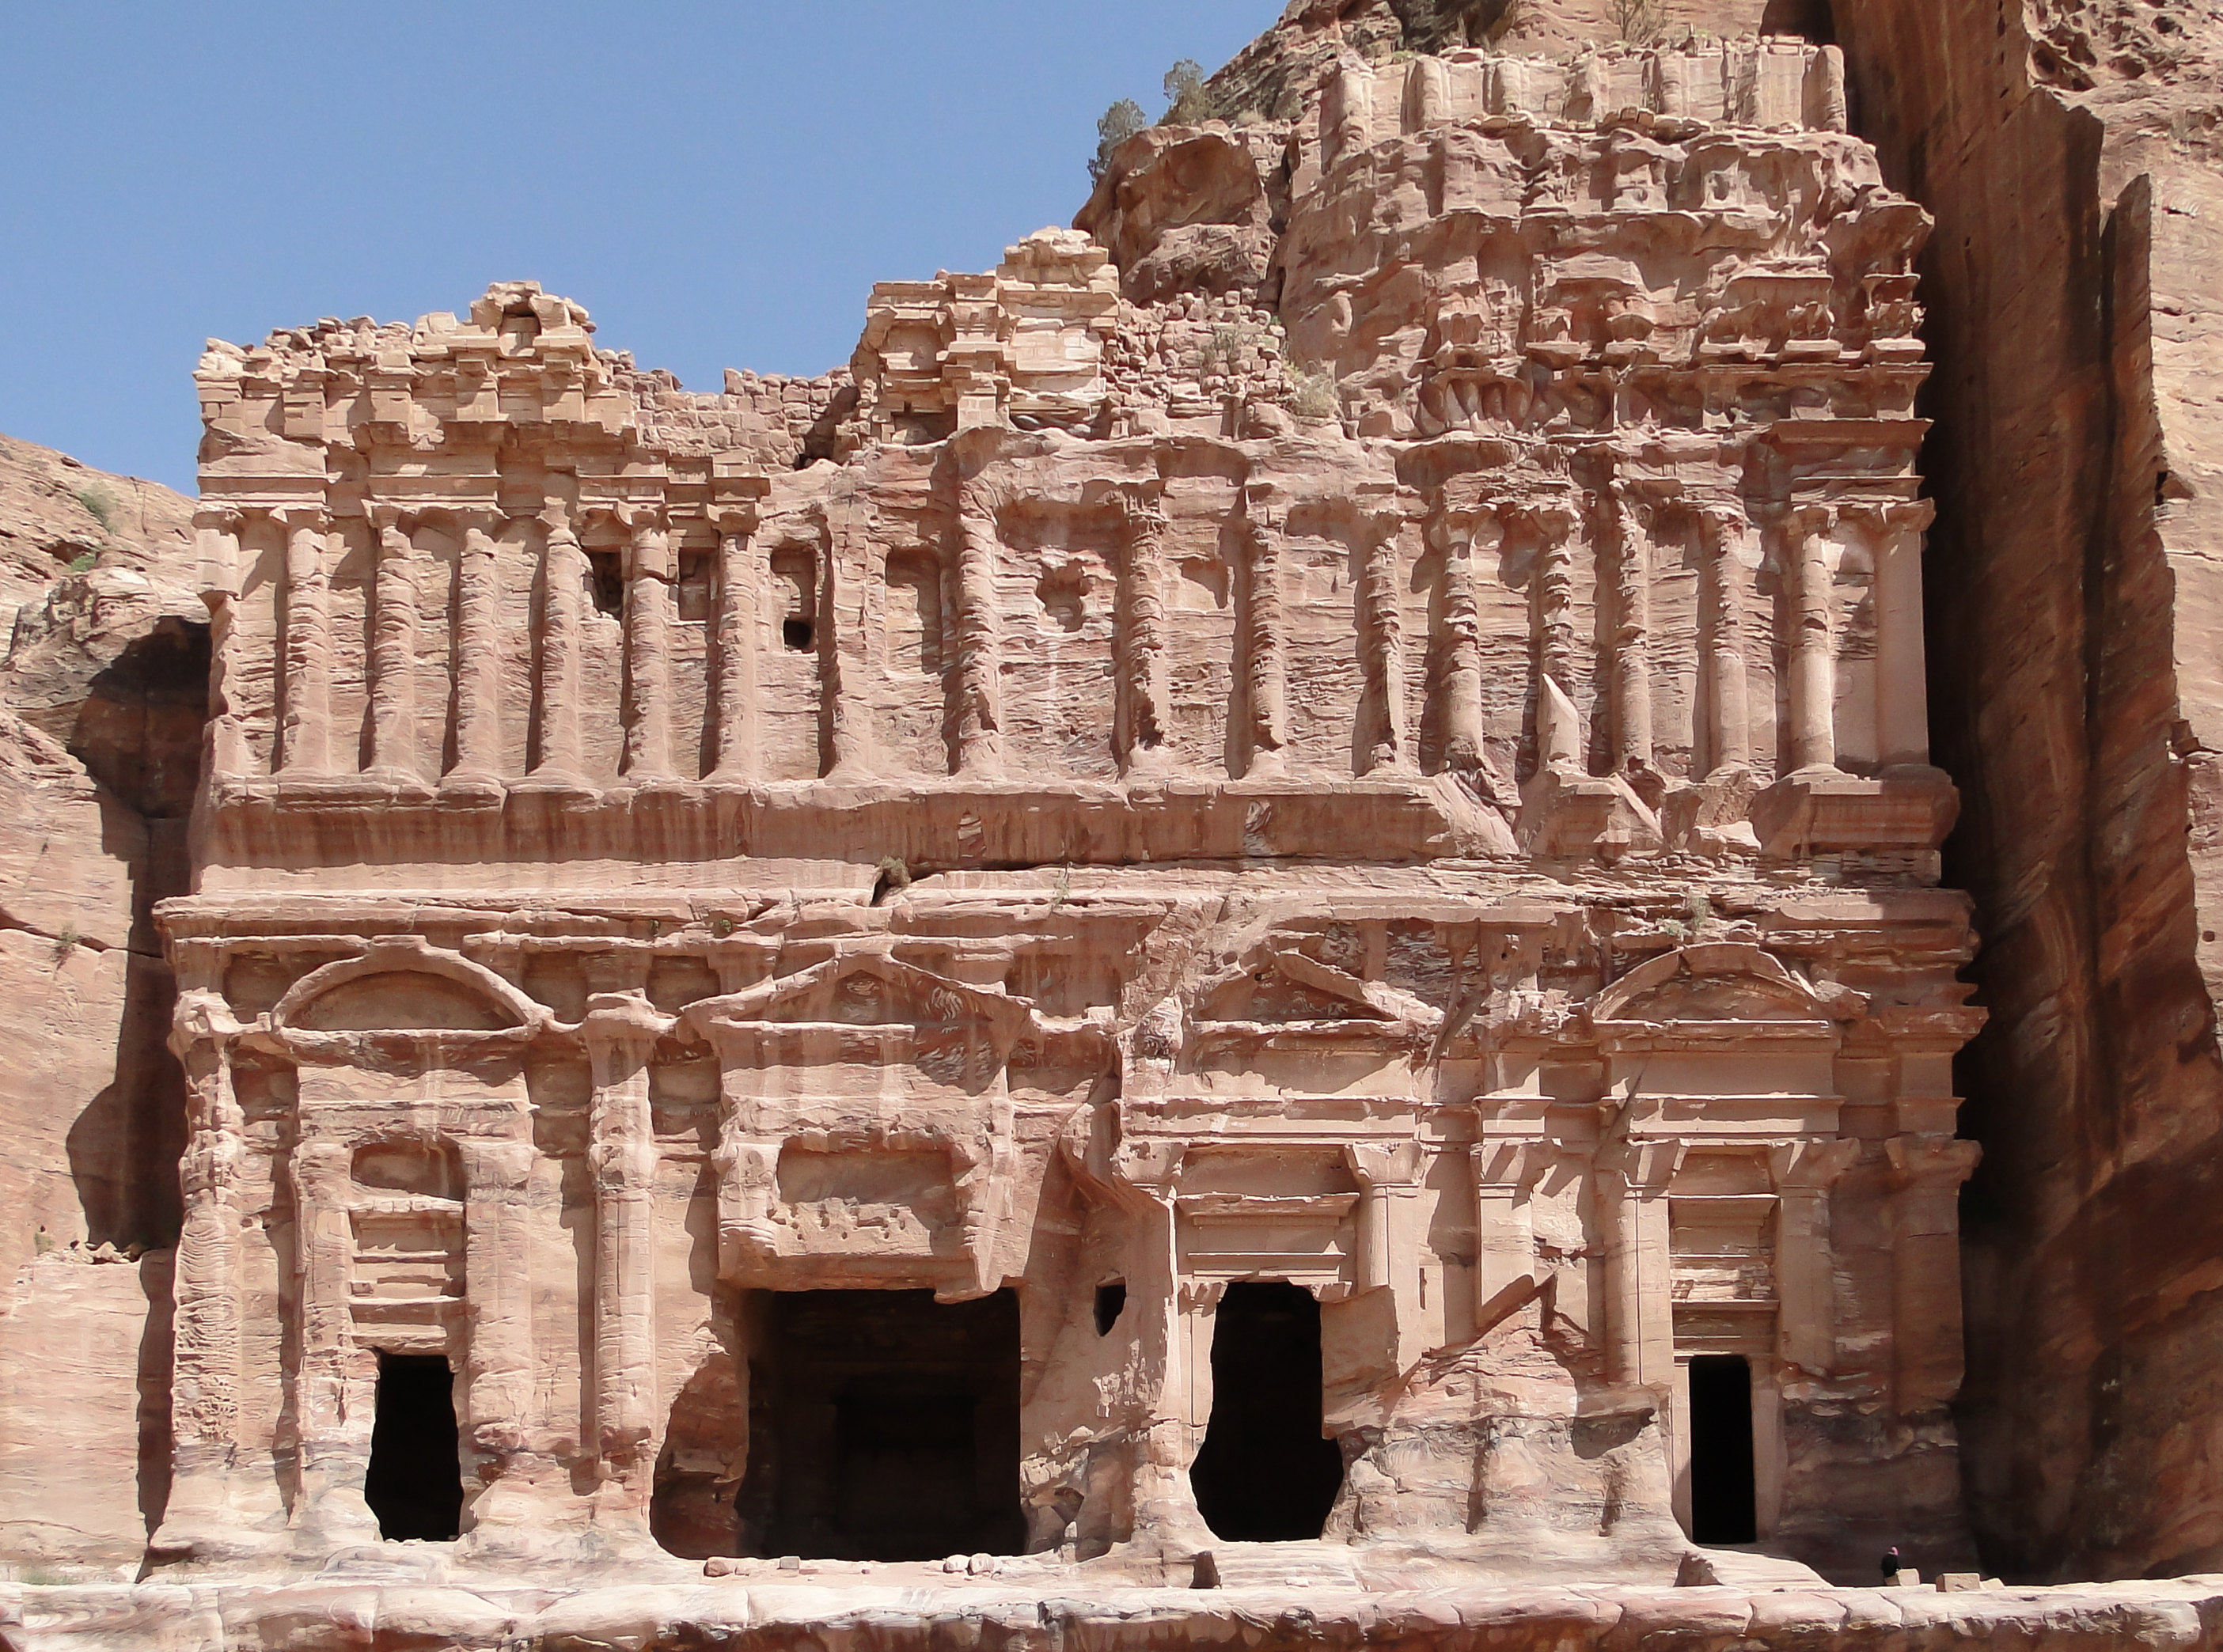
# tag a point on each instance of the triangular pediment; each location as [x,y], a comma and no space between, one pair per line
[1286,986]
[864,990]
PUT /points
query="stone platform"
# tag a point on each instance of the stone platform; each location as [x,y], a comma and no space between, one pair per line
[897,1609]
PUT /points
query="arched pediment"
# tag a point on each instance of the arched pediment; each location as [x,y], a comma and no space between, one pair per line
[406,985]
[1719,981]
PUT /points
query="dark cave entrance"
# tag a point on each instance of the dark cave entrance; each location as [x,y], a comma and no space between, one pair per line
[415,1481]
[1265,1475]
[885,1426]
[1721,1497]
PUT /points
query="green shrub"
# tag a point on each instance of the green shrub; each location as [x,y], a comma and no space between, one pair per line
[1189,101]
[100,504]
[1113,128]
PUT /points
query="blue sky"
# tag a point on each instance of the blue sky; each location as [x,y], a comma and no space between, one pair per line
[719,183]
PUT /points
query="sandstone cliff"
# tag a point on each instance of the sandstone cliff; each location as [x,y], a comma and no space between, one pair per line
[2067,152]
[97,766]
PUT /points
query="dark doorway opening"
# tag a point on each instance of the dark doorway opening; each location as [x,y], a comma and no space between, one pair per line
[1722,1503]
[1812,21]
[415,1483]
[885,1426]
[796,634]
[1265,1475]
[1111,1303]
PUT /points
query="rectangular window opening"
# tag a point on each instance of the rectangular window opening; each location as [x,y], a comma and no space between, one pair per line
[415,1481]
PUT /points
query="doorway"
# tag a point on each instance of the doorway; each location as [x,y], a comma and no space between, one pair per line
[1265,1475]
[1723,1506]
[885,1426]
[415,1481]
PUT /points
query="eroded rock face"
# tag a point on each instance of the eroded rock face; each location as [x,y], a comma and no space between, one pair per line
[100,732]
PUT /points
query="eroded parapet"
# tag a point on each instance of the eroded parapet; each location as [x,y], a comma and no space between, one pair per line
[1773,84]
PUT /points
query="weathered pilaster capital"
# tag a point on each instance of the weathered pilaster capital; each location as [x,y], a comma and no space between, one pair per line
[1933,1164]
[1385,1164]
[734,521]
[1552,520]
[1810,1166]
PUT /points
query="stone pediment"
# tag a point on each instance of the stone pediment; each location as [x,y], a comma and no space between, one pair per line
[1719,986]
[444,1007]
[859,992]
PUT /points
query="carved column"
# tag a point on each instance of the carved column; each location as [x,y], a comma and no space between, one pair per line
[1806,1313]
[619,1031]
[334,1437]
[1632,633]
[496,1393]
[478,653]
[204,1380]
[306,658]
[395,622]
[1266,646]
[216,531]
[1640,1322]
[1925,1268]
[648,651]
[563,594]
[1902,700]
[1464,738]
[1381,646]
[740,582]
[1813,643]
[1559,731]
[1728,603]
[1141,716]
[980,738]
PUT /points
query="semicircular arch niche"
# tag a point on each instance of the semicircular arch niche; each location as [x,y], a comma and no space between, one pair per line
[402,999]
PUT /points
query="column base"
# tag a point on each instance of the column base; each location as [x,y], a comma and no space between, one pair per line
[1566,816]
[1826,811]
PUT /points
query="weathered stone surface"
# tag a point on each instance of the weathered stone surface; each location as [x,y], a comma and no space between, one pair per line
[56,513]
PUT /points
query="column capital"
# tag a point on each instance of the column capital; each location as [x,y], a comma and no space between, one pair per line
[1894,516]
[735,520]
[1932,1163]
[1645,1167]
[1810,1166]
[1811,519]
[1552,518]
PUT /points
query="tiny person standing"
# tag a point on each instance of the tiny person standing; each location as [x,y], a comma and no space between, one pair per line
[1892,1566]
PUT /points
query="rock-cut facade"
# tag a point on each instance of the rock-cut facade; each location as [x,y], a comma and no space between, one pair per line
[1275,877]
